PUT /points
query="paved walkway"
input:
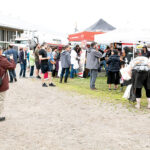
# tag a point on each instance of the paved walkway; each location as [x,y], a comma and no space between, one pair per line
[52,119]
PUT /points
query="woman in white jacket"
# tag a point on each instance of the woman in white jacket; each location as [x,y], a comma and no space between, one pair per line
[74,62]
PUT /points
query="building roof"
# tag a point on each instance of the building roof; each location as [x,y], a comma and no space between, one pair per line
[11,27]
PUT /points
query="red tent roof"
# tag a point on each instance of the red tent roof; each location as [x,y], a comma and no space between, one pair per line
[81,36]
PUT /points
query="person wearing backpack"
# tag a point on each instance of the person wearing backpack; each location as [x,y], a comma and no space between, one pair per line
[5,65]
[14,53]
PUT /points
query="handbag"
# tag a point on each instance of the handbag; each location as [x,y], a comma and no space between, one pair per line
[127,92]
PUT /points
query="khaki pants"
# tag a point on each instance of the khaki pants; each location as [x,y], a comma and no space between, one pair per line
[2,96]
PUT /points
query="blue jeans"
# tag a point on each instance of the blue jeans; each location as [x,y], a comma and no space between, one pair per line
[12,74]
[23,69]
[73,71]
[103,63]
[65,71]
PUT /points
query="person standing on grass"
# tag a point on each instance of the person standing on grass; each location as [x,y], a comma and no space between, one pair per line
[103,60]
[4,86]
[60,68]
[140,67]
[55,55]
[37,61]
[23,61]
[51,62]
[32,62]
[74,61]
[65,63]
[114,65]
[93,63]
[14,53]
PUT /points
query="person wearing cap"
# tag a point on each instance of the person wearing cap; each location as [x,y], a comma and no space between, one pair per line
[14,53]
[4,86]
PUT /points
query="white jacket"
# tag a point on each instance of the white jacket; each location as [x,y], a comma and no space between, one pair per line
[140,63]
[74,60]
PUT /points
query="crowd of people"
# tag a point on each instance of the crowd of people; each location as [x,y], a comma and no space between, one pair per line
[57,61]
[60,62]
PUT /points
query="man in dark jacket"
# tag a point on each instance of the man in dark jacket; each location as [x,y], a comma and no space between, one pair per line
[14,53]
[23,61]
[65,63]
[4,86]
[93,63]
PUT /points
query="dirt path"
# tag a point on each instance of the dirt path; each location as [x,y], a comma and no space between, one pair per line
[51,119]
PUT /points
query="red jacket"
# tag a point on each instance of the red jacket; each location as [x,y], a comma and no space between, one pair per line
[4,66]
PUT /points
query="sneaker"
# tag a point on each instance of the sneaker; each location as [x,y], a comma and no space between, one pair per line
[109,89]
[2,118]
[44,85]
[52,85]
[38,77]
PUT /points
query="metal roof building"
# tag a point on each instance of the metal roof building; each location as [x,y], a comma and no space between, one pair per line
[8,34]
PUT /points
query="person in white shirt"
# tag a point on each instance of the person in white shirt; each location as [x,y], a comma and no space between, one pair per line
[74,61]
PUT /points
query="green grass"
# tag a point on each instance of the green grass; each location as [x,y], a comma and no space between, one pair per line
[81,86]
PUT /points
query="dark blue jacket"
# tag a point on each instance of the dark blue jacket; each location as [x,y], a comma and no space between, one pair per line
[21,56]
[114,63]
[12,52]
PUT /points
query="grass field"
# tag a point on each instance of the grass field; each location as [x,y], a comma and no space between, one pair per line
[81,86]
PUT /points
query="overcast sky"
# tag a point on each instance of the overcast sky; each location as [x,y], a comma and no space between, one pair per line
[61,15]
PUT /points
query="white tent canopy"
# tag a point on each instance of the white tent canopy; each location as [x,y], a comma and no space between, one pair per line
[124,35]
